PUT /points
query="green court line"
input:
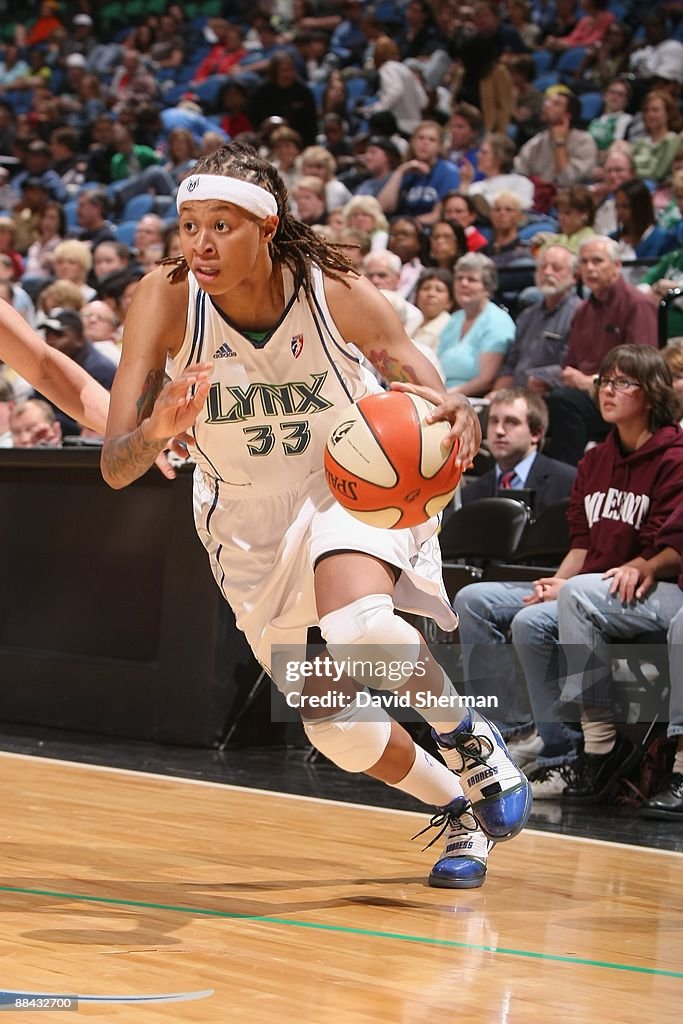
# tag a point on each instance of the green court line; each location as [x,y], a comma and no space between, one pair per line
[342,929]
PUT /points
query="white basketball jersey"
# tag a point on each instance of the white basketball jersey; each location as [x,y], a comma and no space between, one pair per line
[272,402]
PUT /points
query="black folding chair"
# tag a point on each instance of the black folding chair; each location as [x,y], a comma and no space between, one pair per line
[544,544]
[479,535]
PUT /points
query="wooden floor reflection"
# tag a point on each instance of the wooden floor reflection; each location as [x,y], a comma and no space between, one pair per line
[251,906]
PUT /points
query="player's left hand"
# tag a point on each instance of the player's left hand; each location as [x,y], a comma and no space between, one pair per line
[178,447]
[455,408]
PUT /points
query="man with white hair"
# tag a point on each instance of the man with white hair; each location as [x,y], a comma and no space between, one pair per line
[536,355]
[615,313]
[383,268]
[149,231]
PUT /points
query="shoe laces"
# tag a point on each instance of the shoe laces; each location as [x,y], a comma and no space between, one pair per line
[459,821]
[567,772]
[584,771]
[474,749]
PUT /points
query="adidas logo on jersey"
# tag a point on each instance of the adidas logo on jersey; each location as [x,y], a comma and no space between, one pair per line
[224,352]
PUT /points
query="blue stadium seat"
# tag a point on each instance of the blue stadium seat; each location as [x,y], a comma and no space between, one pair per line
[545,80]
[318,90]
[591,105]
[542,59]
[175,94]
[569,62]
[125,231]
[528,231]
[70,213]
[209,89]
[356,87]
[162,204]
[138,206]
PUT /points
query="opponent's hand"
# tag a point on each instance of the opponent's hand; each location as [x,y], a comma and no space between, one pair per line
[465,426]
[179,403]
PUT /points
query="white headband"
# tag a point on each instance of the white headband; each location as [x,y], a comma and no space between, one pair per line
[229,190]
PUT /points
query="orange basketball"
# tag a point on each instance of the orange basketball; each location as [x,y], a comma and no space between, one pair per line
[386,465]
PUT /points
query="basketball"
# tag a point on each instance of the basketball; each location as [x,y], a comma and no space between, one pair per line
[386,465]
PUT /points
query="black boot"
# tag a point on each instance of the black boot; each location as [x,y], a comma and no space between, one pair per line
[667,801]
[596,776]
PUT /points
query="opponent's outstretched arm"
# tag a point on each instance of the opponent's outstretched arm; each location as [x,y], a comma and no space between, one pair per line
[52,373]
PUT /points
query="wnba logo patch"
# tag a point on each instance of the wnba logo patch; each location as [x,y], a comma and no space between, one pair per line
[297,345]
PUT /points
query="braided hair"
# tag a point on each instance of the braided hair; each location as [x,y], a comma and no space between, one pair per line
[294,243]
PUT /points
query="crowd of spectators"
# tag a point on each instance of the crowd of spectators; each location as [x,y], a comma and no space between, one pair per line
[435,130]
[508,172]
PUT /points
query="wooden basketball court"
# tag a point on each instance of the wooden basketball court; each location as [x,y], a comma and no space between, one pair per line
[242,906]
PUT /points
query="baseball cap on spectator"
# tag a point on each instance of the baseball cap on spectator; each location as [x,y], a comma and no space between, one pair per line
[60,320]
[669,70]
[38,146]
[75,60]
[82,19]
[35,181]
[382,142]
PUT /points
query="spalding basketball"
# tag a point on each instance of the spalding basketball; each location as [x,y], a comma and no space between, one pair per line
[386,465]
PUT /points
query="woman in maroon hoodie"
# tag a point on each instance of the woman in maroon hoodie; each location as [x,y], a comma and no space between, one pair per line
[625,490]
[622,603]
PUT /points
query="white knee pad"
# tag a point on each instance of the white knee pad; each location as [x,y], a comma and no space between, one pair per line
[351,740]
[371,643]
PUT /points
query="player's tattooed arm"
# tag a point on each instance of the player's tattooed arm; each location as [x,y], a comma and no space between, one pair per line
[131,455]
[392,369]
[151,390]
[163,410]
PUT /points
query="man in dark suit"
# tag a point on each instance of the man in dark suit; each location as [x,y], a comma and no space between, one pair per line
[517,422]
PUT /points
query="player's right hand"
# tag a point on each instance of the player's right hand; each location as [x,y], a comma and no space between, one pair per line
[456,410]
[179,403]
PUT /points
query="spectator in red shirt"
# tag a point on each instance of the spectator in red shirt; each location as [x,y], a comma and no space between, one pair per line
[45,25]
[615,314]
[589,30]
[225,54]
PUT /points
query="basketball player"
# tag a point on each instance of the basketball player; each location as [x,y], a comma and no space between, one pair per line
[254,318]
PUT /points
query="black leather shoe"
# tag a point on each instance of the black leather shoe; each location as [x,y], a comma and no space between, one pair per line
[596,776]
[668,801]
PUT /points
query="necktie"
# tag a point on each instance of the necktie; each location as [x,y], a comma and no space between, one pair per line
[505,480]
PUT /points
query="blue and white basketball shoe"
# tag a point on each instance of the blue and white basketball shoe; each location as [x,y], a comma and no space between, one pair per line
[463,863]
[497,789]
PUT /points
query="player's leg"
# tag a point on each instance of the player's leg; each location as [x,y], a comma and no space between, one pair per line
[353,594]
[366,739]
